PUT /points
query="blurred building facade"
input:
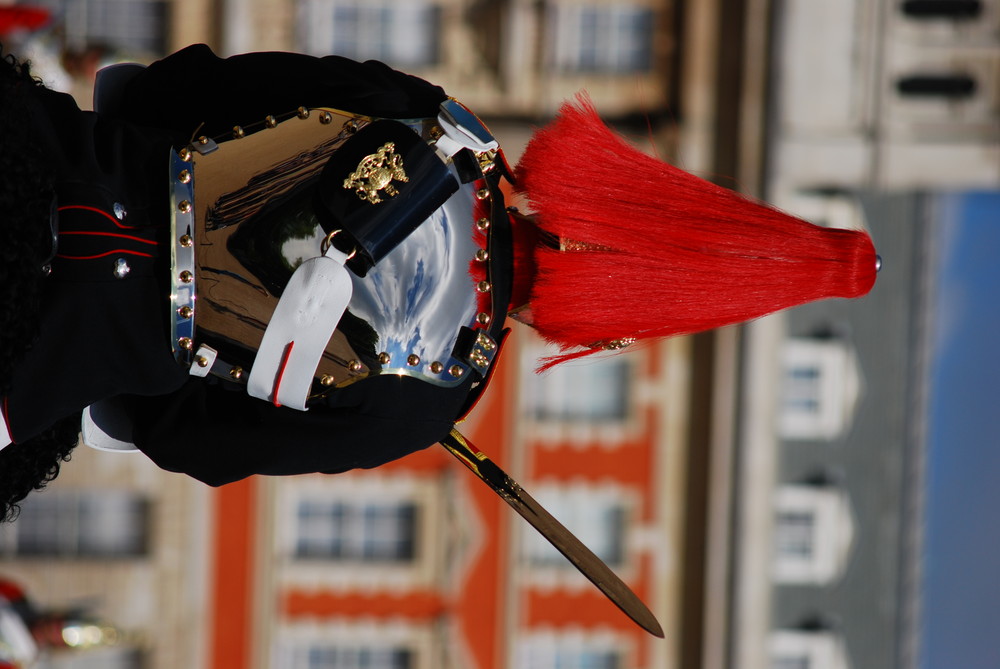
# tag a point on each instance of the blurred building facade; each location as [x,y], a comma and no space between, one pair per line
[848,509]
[866,107]
[727,477]
[127,542]
[415,565]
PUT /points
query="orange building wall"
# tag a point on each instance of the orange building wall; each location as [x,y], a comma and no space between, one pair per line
[235,510]
[478,607]
[631,464]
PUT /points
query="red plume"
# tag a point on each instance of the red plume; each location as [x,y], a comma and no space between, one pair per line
[649,250]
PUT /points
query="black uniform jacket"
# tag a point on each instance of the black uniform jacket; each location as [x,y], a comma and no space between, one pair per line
[105,335]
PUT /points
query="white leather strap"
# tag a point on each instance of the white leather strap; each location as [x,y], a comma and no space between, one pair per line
[204,358]
[97,430]
[5,438]
[303,322]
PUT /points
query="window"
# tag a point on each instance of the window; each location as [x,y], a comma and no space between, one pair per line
[813,533]
[609,39]
[348,643]
[401,34]
[594,401]
[389,528]
[798,649]
[569,651]
[820,389]
[791,662]
[135,25]
[356,530]
[79,524]
[802,390]
[597,516]
[347,657]
[594,390]
[942,9]
[950,86]
[102,658]
[794,532]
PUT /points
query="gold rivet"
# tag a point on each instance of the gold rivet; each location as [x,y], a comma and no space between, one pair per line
[350,126]
[354,366]
[456,370]
[270,121]
[482,193]
[184,177]
[384,358]
[201,361]
[327,380]
[483,318]
[325,118]
[483,224]
[186,276]
[185,312]
[302,112]
[482,255]
[436,132]
[437,367]
[184,207]
[185,343]
[483,286]
[184,154]
[203,140]
[413,360]
[236,373]
[238,132]
[185,241]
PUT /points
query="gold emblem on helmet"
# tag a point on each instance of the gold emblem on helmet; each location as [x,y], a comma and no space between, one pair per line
[376,172]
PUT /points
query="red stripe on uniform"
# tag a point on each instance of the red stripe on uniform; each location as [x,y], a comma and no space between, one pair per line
[106,253]
[103,213]
[94,233]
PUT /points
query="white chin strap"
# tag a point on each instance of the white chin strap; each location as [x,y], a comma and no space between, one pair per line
[93,435]
[98,432]
[5,439]
[308,311]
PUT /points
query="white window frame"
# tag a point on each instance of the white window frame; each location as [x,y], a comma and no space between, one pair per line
[293,641]
[818,650]
[360,488]
[356,530]
[346,656]
[572,650]
[79,524]
[795,533]
[609,49]
[829,536]
[114,22]
[821,407]
[595,399]
[592,513]
[102,657]
[404,35]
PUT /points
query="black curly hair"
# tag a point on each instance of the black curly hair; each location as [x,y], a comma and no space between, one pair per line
[26,196]
[31,464]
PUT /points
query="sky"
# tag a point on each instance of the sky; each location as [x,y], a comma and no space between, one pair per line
[961,589]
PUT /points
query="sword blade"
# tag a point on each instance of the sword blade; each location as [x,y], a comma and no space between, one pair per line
[565,541]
